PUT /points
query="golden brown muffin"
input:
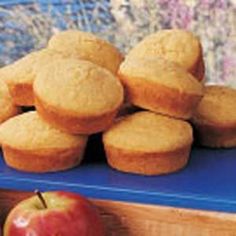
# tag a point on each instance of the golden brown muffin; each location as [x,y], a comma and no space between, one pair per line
[147,143]
[30,144]
[87,46]
[215,117]
[8,109]
[160,86]
[20,75]
[176,45]
[80,97]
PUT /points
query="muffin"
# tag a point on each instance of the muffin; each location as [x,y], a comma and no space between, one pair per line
[161,86]
[8,109]
[215,117]
[148,144]
[80,97]
[87,46]
[176,45]
[20,75]
[30,144]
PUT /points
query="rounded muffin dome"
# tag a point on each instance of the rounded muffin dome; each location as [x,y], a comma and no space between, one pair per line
[175,45]
[217,106]
[20,75]
[77,96]
[87,46]
[215,117]
[148,144]
[161,86]
[149,132]
[28,131]
[30,144]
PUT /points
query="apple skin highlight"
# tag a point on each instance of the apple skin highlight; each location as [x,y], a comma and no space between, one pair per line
[67,214]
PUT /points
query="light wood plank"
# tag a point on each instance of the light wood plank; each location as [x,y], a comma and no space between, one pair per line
[152,220]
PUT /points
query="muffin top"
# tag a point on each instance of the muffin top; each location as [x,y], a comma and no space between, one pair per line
[20,71]
[174,44]
[87,46]
[149,132]
[161,71]
[28,131]
[217,106]
[8,109]
[24,70]
[78,87]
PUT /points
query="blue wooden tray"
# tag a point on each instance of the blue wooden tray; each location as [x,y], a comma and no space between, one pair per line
[208,182]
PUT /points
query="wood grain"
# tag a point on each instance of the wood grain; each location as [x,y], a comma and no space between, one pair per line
[139,220]
[129,219]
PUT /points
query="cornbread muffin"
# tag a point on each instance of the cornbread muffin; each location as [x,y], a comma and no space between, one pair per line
[147,143]
[87,46]
[20,75]
[30,144]
[80,97]
[176,45]
[8,109]
[161,86]
[215,117]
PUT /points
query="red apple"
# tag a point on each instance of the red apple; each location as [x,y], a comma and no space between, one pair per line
[54,214]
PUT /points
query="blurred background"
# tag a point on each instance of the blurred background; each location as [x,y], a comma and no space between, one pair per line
[27,25]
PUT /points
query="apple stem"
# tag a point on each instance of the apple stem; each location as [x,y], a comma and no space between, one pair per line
[40,196]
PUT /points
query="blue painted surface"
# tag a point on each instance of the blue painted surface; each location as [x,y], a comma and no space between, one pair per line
[208,182]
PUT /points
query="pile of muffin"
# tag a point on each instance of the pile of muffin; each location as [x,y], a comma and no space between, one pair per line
[79,86]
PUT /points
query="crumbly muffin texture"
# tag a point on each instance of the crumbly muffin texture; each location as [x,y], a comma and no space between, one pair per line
[29,132]
[20,75]
[149,132]
[21,70]
[79,87]
[24,70]
[87,46]
[175,45]
[217,106]
[160,70]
